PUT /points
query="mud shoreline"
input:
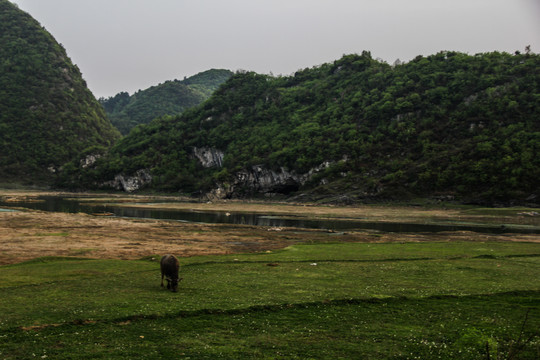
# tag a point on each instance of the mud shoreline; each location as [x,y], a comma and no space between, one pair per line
[26,235]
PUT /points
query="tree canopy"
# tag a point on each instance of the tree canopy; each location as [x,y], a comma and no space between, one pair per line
[170,98]
[47,113]
[449,123]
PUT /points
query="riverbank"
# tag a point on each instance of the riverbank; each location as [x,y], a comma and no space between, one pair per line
[25,235]
[415,213]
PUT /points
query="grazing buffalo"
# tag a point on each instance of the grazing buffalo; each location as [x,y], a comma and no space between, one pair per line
[169,270]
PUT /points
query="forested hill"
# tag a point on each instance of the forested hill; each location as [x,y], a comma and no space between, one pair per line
[169,98]
[47,113]
[449,124]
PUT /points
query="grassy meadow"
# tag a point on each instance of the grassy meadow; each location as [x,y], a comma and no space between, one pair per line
[437,300]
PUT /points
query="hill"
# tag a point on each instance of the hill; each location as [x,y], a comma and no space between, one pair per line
[47,114]
[169,98]
[448,125]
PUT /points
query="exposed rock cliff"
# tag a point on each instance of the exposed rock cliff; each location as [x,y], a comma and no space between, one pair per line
[258,179]
[136,182]
[209,157]
[89,160]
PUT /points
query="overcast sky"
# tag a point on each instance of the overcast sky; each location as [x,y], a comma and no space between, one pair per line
[127,45]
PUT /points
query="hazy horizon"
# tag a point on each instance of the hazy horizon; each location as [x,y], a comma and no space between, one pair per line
[122,45]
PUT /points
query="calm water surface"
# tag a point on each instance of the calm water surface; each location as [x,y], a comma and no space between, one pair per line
[71,205]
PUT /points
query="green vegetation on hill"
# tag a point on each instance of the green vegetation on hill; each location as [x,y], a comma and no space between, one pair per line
[169,98]
[47,113]
[449,124]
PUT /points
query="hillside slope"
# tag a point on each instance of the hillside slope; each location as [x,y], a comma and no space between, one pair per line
[169,98]
[47,113]
[448,125]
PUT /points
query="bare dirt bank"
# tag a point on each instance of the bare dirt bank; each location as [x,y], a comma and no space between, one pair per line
[28,235]
[25,235]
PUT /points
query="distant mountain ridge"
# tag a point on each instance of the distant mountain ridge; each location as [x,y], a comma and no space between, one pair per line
[47,114]
[447,125]
[170,98]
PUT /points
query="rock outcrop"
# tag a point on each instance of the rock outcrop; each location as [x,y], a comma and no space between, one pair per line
[136,182]
[258,179]
[89,160]
[209,157]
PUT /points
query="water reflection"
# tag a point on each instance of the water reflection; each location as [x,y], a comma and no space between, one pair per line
[59,204]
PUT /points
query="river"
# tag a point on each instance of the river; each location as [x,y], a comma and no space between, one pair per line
[79,205]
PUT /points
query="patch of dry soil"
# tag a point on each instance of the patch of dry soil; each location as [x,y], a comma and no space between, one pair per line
[26,235]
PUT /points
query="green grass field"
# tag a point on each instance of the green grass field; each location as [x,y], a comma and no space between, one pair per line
[465,300]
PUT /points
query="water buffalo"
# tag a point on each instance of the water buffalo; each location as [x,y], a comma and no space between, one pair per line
[169,270]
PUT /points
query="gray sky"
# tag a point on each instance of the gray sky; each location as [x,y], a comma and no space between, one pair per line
[127,45]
